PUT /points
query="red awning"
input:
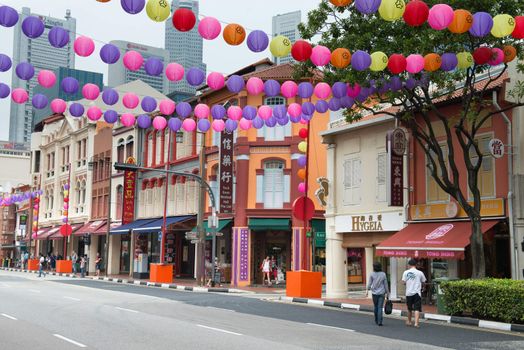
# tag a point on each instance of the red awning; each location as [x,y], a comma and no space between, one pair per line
[49,231]
[102,230]
[90,227]
[57,235]
[438,240]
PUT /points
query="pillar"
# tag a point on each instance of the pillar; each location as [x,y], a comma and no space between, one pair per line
[369,262]
[393,273]
[114,255]
[93,249]
[336,263]
[241,260]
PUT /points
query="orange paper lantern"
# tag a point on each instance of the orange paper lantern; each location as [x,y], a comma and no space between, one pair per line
[510,53]
[103,0]
[341,3]
[462,21]
[234,34]
[340,58]
[301,174]
[432,62]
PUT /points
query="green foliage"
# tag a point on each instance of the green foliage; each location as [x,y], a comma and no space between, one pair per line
[491,299]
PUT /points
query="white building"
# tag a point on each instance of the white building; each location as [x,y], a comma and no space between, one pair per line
[15,160]
[41,55]
[287,25]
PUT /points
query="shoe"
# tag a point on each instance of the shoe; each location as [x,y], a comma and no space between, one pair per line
[380,324]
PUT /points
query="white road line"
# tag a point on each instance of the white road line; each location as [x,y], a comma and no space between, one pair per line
[337,328]
[9,317]
[71,298]
[34,290]
[219,308]
[124,309]
[70,341]
[5,285]
[218,329]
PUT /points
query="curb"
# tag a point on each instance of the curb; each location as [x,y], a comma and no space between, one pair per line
[499,326]
[143,283]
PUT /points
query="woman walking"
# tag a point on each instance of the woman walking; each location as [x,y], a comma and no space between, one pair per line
[378,284]
[266,270]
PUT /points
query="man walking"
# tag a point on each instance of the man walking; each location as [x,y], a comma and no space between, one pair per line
[26,259]
[83,261]
[413,280]
[74,259]
[41,265]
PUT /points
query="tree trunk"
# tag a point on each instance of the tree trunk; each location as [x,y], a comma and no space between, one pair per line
[478,261]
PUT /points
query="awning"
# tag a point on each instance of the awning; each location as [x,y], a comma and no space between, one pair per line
[58,235]
[124,229]
[48,231]
[221,224]
[156,225]
[41,232]
[439,240]
[102,230]
[90,227]
[259,224]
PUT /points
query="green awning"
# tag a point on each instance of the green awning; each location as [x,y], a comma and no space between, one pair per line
[269,224]
[221,224]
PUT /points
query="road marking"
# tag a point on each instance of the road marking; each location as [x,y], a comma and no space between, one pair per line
[70,341]
[5,285]
[218,329]
[219,308]
[71,298]
[338,328]
[10,317]
[34,290]
[124,309]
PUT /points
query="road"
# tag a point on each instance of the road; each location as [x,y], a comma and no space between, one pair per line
[59,313]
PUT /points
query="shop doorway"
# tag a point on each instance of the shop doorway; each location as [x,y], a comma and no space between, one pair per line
[124,253]
[276,244]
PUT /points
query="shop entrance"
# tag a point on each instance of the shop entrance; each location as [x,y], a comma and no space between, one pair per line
[124,253]
[276,245]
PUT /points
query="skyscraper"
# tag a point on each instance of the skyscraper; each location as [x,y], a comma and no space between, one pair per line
[41,55]
[287,25]
[184,48]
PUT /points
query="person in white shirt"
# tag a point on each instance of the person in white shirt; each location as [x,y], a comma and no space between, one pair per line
[413,280]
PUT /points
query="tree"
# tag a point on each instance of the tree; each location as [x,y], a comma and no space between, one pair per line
[416,107]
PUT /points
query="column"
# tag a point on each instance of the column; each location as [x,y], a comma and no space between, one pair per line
[241,257]
[369,263]
[114,255]
[393,273]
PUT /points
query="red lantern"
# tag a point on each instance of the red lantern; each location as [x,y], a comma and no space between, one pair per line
[518,32]
[416,13]
[397,63]
[66,230]
[301,51]
[303,133]
[37,200]
[184,19]
[482,55]
[66,200]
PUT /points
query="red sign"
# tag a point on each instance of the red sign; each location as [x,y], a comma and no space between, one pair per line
[226,172]
[128,214]
[396,147]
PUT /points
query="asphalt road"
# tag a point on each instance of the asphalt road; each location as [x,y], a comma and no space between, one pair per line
[58,313]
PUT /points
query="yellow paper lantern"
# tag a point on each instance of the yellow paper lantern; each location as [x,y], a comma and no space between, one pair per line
[379,61]
[391,10]
[158,10]
[66,193]
[503,25]
[302,146]
[465,60]
[280,46]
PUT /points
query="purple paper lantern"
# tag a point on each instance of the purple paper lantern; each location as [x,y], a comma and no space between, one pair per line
[334,104]
[308,108]
[482,24]
[339,89]
[8,16]
[5,63]
[25,71]
[58,37]
[305,90]
[305,118]
[5,90]
[235,84]
[110,97]
[218,112]
[258,123]
[111,116]
[40,101]
[143,121]
[154,66]
[133,6]
[148,104]
[295,119]
[396,83]
[183,109]
[231,125]
[195,76]
[271,88]
[302,161]
[367,7]
[283,121]
[257,41]
[203,125]
[280,111]
[346,102]
[33,27]
[321,106]
[70,85]
[360,60]
[250,112]
[174,124]
[76,110]
[410,84]
[109,54]
[271,122]
[449,62]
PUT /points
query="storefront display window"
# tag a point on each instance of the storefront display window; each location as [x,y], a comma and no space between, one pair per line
[355,265]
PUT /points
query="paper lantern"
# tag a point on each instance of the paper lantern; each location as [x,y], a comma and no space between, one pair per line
[166,107]
[76,110]
[203,125]
[235,84]
[295,110]
[270,122]
[308,108]
[518,32]
[183,109]
[233,113]
[432,62]
[497,57]
[397,63]
[33,27]
[462,21]
[302,146]
[289,89]
[279,111]
[215,81]
[174,72]
[339,89]
[154,66]
[353,90]
[280,46]
[133,60]
[449,62]
[379,61]
[130,100]
[8,16]
[391,10]
[416,13]
[257,41]
[25,71]
[303,133]
[5,90]
[39,101]
[249,112]
[46,78]
[510,53]
[110,97]
[322,91]
[348,102]
[202,111]
[110,116]
[503,25]
[209,28]
[482,55]
[195,76]
[127,119]
[244,124]
[334,104]
[231,125]
[58,106]
[283,121]
[360,60]
[133,6]
[109,54]
[218,125]
[482,24]
[94,113]
[58,37]
[271,88]
[19,95]
[301,50]
[184,19]
[414,63]
[305,90]
[255,86]
[234,34]
[143,121]
[148,104]
[257,123]
[340,3]
[158,10]
[440,16]
[84,46]
[174,124]
[367,7]
[340,58]
[265,112]
[5,63]
[90,91]
[301,173]
[320,56]
[218,112]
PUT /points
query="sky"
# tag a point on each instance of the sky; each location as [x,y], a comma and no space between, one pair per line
[107,21]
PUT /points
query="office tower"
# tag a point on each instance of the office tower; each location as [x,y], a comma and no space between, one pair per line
[287,25]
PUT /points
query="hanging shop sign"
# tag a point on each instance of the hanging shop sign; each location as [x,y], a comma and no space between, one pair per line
[128,214]
[370,222]
[226,172]
[396,147]
[496,148]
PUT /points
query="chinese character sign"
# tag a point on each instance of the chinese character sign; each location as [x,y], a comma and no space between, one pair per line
[396,146]
[226,172]
[128,214]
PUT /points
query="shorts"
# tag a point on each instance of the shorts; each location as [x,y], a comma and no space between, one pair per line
[414,302]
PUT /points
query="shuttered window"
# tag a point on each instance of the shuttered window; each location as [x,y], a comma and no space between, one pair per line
[352,181]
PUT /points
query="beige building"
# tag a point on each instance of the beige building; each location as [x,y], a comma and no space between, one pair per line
[15,160]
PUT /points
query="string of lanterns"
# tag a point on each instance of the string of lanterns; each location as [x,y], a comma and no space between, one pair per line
[18,198]
[302,160]
[36,211]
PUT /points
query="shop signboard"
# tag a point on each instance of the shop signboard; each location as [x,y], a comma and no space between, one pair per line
[128,214]
[396,147]
[370,222]
[226,172]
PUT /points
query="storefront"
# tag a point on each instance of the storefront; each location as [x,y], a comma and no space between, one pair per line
[223,248]
[318,235]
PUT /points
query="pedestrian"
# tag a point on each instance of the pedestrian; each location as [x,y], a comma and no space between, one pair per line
[53,261]
[274,269]
[74,259]
[266,270]
[378,284]
[83,262]
[41,266]
[22,261]
[26,259]
[98,263]
[413,280]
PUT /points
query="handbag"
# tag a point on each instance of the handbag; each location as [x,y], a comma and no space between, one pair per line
[388,307]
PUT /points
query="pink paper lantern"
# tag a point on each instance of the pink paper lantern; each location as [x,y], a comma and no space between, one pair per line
[414,63]
[202,111]
[34,235]
[58,106]
[94,113]
[189,125]
[265,112]
[133,60]
[130,100]
[289,89]
[84,46]
[234,113]
[302,187]
[46,78]
[440,16]
[322,90]
[353,90]
[66,206]
[255,86]
[167,107]
[159,123]
[295,110]
[497,58]
[320,56]
[90,91]
[215,81]
[209,28]
[127,119]
[174,72]
[218,125]
[19,95]
[244,124]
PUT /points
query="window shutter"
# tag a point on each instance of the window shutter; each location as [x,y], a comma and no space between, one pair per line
[260,188]
[347,182]
[381,178]
[287,188]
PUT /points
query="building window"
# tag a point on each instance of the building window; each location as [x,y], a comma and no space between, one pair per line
[82,196]
[434,192]
[352,181]
[119,201]
[37,162]
[486,175]
[149,147]
[381,177]
[159,159]
[120,151]
[273,185]
[278,132]
[130,143]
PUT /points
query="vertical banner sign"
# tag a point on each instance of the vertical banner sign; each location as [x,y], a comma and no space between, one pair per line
[128,214]
[396,147]
[226,172]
